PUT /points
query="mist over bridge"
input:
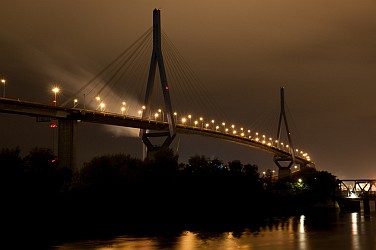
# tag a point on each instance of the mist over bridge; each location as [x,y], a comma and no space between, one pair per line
[153,121]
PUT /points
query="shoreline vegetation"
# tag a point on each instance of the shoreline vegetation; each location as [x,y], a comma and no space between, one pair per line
[114,193]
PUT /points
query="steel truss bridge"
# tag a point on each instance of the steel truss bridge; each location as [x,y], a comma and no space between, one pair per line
[355,188]
[357,194]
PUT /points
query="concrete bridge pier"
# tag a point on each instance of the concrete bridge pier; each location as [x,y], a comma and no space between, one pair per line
[150,153]
[284,165]
[368,204]
[67,143]
[284,172]
[366,207]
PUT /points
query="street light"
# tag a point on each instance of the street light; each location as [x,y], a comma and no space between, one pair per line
[190,120]
[55,90]
[123,108]
[142,111]
[162,116]
[102,105]
[75,101]
[3,82]
[99,101]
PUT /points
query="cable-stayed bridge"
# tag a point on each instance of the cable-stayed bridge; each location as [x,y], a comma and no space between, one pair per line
[161,108]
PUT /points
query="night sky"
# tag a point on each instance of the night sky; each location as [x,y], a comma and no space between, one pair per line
[322,52]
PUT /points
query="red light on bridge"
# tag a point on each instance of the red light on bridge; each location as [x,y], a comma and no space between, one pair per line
[166,87]
[53,124]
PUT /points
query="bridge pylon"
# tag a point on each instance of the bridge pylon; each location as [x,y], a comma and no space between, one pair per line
[284,163]
[157,59]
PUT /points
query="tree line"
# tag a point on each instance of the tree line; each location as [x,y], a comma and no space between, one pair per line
[118,187]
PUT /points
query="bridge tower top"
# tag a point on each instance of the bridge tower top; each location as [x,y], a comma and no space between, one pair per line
[282,115]
[157,59]
[284,170]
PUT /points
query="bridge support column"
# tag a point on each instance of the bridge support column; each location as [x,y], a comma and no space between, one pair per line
[67,143]
[284,165]
[150,153]
[284,172]
[366,206]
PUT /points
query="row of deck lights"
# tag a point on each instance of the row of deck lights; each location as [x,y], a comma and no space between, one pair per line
[102,105]
[258,138]
[270,143]
[123,109]
[200,124]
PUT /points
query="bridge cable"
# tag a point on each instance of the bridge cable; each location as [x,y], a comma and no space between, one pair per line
[108,66]
[189,79]
[123,65]
[296,133]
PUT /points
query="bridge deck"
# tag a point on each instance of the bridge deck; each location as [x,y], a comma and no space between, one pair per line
[94,116]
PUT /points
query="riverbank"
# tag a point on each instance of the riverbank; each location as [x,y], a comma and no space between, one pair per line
[66,218]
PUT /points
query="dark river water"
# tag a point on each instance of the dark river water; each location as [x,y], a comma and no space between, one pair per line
[319,230]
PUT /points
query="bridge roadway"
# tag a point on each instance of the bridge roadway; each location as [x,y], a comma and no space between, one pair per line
[33,109]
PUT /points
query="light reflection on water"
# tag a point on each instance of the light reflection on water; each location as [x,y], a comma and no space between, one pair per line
[319,231]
